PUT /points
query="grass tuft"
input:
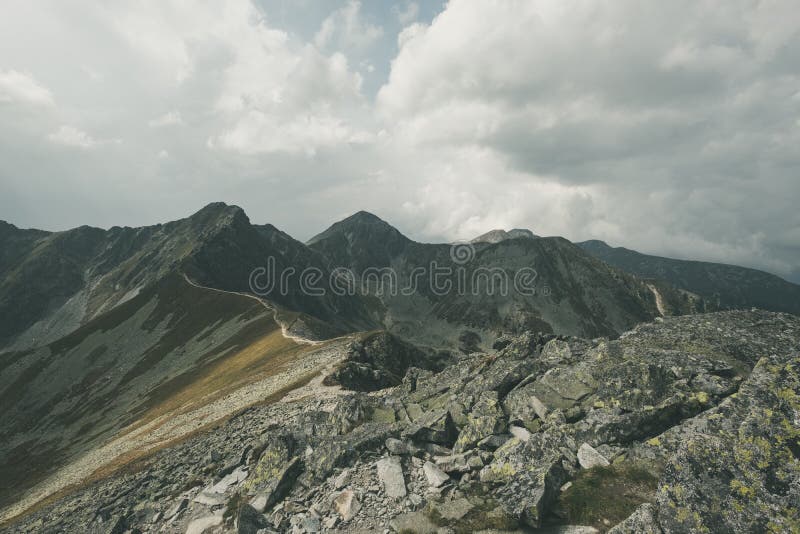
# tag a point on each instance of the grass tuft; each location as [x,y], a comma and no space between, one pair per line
[607,495]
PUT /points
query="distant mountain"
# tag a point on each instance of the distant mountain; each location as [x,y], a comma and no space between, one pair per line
[721,285]
[576,294]
[51,283]
[495,236]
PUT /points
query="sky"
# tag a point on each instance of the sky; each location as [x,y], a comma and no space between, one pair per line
[668,127]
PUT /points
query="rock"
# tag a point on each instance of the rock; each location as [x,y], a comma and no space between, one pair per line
[177,508]
[347,505]
[416,522]
[311,524]
[235,477]
[490,443]
[249,521]
[341,479]
[433,427]
[455,463]
[485,419]
[204,524]
[641,521]
[414,411]
[501,343]
[259,502]
[273,480]
[435,476]
[527,476]
[390,473]
[454,510]
[521,433]
[398,447]
[588,457]
[210,499]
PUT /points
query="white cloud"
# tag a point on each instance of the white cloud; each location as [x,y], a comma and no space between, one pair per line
[171,118]
[664,127]
[346,30]
[73,137]
[21,87]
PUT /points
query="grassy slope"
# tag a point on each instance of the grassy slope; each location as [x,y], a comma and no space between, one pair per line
[171,348]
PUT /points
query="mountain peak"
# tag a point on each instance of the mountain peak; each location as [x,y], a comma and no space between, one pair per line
[362,225]
[219,214]
[497,235]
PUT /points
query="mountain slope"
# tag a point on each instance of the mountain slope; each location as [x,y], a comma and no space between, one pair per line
[127,365]
[54,282]
[574,293]
[725,286]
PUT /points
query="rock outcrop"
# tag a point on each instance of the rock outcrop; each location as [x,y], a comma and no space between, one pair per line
[686,424]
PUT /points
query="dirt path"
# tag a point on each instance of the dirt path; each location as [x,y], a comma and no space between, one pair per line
[284,327]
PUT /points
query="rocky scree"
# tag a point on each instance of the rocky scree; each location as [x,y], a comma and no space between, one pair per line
[695,420]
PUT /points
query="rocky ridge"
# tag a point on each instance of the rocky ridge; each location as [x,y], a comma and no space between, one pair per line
[686,424]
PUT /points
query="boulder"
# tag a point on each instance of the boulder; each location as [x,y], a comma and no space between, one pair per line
[435,476]
[204,524]
[399,447]
[347,505]
[526,476]
[485,419]
[436,426]
[390,473]
[588,457]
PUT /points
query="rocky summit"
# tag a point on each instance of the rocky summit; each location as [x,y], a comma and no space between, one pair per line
[684,424]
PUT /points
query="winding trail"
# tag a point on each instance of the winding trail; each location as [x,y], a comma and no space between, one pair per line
[285,329]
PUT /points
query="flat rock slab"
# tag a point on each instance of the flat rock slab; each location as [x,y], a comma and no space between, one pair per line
[209,498]
[236,477]
[454,510]
[203,524]
[390,472]
[435,476]
[588,457]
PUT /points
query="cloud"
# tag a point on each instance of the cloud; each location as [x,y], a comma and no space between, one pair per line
[21,87]
[665,127]
[675,120]
[346,30]
[72,137]
[171,118]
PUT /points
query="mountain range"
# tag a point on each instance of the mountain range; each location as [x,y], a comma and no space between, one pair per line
[118,343]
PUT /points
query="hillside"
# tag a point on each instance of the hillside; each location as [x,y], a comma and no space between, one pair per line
[54,282]
[572,293]
[681,425]
[723,286]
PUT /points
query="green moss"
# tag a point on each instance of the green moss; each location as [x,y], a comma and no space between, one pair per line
[609,493]
[383,415]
